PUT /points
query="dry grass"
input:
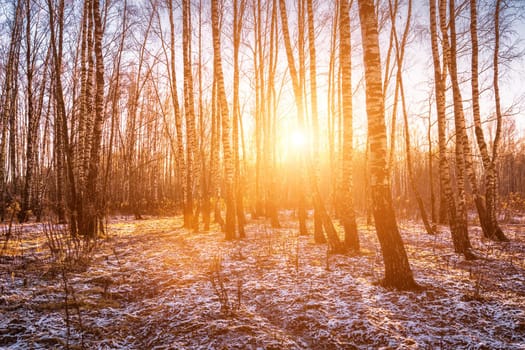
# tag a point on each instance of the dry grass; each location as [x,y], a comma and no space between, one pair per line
[153,284]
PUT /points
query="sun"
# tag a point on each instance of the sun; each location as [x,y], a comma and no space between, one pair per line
[298,139]
[293,142]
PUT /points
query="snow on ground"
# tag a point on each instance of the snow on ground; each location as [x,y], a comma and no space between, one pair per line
[154,285]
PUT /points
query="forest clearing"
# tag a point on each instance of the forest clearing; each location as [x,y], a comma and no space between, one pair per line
[153,285]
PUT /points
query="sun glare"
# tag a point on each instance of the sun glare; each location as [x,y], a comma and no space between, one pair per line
[298,139]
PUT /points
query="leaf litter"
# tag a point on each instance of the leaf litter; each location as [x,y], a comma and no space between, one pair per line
[153,285]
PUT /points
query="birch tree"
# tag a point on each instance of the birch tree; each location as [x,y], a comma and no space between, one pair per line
[398,273]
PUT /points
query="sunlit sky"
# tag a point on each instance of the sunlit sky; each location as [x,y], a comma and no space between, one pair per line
[418,67]
[418,79]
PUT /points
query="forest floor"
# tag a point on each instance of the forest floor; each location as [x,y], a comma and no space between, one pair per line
[154,285]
